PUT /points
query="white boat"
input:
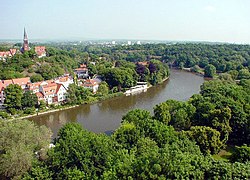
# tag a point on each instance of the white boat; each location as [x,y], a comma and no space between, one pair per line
[140,87]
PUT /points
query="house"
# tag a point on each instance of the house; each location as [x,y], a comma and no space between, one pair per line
[82,72]
[49,91]
[65,81]
[40,96]
[34,87]
[19,81]
[7,54]
[61,92]
[40,51]
[91,84]
[22,82]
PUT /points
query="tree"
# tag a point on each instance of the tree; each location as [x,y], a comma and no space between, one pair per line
[19,140]
[161,113]
[209,71]
[103,89]
[76,148]
[207,138]
[244,74]
[29,99]
[127,135]
[241,154]
[13,94]
[36,78]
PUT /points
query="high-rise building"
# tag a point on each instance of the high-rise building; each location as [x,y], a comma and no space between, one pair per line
[25,43]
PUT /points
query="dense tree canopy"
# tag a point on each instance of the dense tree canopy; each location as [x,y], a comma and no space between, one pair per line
[19,140]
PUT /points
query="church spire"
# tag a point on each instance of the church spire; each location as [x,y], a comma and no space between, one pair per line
[25,35]
[25,42]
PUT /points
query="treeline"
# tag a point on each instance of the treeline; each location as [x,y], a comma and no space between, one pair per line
[231,58]
[177,142]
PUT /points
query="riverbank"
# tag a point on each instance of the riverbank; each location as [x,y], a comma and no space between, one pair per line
[61,108]
[106,116]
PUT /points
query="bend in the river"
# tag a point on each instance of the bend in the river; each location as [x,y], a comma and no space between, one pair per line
[106,116]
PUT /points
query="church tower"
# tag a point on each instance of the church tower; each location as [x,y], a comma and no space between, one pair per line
[25,42]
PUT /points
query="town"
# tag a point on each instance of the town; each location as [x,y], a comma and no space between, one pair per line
[52,91]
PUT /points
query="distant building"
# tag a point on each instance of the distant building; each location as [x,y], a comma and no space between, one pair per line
[144,63]
[129,43]
[40,51]
[91,84]
[113,42]
[19,81]
[82,72]
[138,42]
[7,54]
[25,43]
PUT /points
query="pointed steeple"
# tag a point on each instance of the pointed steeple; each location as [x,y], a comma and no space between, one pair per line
[25,42]
[25,37]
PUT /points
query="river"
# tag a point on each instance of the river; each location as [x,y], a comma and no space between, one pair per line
[106,116]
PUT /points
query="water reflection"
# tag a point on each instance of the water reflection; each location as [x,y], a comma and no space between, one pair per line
[106,116]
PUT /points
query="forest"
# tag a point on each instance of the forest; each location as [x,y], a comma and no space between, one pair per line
[206,137]
[232,59]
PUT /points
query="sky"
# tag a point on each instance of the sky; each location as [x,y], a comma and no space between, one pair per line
[173,20]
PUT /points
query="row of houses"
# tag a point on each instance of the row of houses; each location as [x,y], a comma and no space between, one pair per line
[51,91]
[39,50]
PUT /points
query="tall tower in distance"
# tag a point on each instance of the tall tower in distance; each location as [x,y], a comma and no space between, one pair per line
[25,42]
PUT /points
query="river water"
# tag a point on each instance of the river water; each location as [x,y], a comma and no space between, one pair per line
[106,116]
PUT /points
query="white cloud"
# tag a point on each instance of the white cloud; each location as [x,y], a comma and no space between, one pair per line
[210,8]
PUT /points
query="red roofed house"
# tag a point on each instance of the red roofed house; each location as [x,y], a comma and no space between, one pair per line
[82,72]
[40,51]
[22,82]
[61,92]
[19,81]
[49,92]
[40,96]
[65,80]
[91,84]
[7,54]
[34,87]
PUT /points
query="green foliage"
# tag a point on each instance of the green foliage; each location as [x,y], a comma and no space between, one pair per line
[103,89]
[29,100]
[244,74]
[78,149]
[18,142]
[78,95]
[122,78]
[241,154]
[127,135]
[36,78]
[4,115]
[13,94]
[161,113]
[209,71]
[207,139]
[178,114]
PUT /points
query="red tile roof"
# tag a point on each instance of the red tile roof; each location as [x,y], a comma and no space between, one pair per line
[50,89]
[40,50]
[89,83]
[32,86]
[58,87]
[39,95]
[21,81]
[2,86]
[7,82]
